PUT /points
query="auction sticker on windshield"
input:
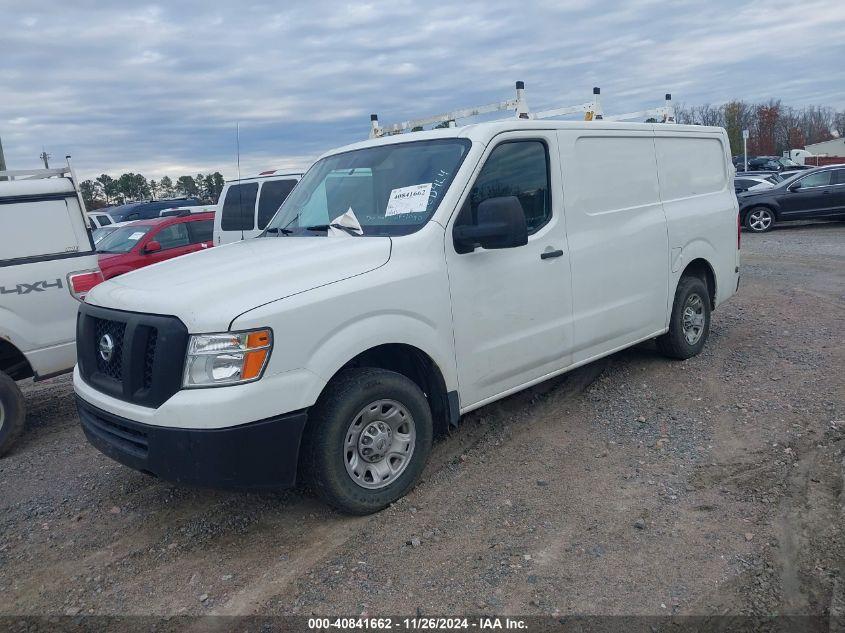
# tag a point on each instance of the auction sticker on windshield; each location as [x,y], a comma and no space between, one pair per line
[413,199]
[136,236]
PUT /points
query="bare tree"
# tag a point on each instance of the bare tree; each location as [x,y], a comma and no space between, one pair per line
[839,123]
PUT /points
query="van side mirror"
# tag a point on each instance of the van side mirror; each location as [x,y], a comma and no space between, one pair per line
[501,224]
[152,247]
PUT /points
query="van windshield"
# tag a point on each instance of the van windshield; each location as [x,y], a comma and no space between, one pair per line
[386,190]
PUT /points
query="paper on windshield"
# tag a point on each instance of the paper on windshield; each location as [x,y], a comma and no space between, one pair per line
[413,199]
[136,236]
[347,220]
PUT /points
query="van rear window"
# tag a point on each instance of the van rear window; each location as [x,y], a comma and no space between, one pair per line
[273,194]
[238,213]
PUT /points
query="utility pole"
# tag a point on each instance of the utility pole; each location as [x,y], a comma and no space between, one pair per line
[2,160]
[745,148]
[45,157]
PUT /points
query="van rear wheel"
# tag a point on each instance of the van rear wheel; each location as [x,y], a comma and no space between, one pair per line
[689,325]
[369,440]
[12,413]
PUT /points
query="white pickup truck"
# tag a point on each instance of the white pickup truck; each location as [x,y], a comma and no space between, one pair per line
[47,264]
[405,281]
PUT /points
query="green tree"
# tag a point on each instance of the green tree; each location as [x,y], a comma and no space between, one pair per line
[218,184]
[166,186]
[154,189]
[133,186]
[186,186]
[108,187]
[88,189]
[199,181]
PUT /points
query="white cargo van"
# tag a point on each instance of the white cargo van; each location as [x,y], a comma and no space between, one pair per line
[247,205]
[408,280]
[47,264]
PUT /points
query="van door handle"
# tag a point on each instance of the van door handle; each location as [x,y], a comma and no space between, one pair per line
[550,254]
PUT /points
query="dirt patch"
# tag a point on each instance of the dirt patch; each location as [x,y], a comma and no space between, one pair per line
[699,487]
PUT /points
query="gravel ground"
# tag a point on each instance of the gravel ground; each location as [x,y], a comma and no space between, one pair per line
[707,486]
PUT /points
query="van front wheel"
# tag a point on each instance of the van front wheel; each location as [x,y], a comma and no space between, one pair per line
[689,324]
[12,412]
[369,439]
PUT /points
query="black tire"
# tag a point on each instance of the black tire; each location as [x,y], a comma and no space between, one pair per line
[12,413]
[759,219]
[324,448]
[675,343]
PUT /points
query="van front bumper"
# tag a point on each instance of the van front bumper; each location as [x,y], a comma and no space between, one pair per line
[262,454]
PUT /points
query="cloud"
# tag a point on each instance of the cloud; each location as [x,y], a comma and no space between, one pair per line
[158,88]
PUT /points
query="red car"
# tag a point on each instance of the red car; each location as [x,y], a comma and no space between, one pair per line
[145,242]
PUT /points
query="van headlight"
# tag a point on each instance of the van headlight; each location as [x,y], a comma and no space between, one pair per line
[227,358]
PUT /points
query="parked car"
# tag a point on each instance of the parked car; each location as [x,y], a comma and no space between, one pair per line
[751,183]
[773,176]
[813,194]
[47,265]
[149,209]
[771,163]
[145,242]
[98,219]
[247,205]
[406,281]
[98,234]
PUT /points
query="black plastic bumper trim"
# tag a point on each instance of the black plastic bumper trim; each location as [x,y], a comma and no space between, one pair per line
[257,455]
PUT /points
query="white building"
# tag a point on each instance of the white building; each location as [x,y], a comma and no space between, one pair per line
[833,147]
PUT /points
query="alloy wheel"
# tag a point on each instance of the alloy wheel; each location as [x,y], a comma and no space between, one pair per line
[760,219]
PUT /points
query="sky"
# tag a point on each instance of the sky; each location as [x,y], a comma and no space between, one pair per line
[158,88]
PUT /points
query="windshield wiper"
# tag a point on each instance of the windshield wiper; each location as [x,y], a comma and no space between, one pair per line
[326,227]
[279,230]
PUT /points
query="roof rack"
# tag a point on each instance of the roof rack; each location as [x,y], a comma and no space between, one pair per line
[592,112]
[34,174]
[663,114]
[38,174]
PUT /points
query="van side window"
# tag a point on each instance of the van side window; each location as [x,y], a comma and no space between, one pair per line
[690,166]
[514,168]
[272,196]
[238,212]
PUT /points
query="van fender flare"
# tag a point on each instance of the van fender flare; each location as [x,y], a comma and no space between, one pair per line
[697,249]
[362,333]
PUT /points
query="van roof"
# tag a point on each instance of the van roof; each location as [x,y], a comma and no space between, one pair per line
[484,132]
[35,187]
[267,174]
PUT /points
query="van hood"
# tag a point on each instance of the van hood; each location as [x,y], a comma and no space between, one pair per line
[208,289]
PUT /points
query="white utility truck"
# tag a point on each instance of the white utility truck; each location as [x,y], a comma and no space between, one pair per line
[407,280]
[47,264]
[247,205]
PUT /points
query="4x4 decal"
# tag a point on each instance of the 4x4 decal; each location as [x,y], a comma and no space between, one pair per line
[25,289]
